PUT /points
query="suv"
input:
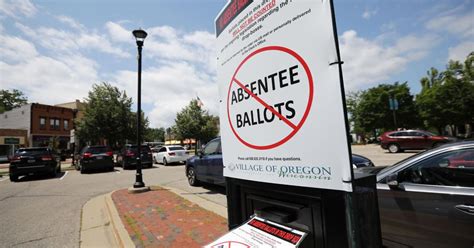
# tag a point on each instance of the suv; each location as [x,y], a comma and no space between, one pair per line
[95,157]
[34,160]
[397,141]
[128,156]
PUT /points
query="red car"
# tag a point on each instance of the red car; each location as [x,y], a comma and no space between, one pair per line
[397,141]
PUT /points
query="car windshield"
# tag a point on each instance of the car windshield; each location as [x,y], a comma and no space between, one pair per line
[403,161]
[37,151]
[176,148]
[97,150]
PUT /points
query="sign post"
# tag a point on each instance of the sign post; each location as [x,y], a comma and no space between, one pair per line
[284,127]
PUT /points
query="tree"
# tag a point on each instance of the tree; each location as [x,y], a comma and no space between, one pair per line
[108,116]
[372,110]
[195,123]
[154,134]
[449,102]
[10,100]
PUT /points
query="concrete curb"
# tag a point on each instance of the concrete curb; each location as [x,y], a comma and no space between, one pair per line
[101,225]
[119,229]
[204,203]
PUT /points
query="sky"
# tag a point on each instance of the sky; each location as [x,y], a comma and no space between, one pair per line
[56,50]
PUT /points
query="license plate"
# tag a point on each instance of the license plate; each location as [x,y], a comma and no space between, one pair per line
[31,160]
[99,157]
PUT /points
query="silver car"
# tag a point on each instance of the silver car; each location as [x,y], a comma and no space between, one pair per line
[427,200]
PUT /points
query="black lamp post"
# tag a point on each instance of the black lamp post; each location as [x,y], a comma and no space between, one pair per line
[140,36]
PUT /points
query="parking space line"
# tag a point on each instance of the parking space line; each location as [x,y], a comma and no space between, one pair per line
[64,175]
[117,171]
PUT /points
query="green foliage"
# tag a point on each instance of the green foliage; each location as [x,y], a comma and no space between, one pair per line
[195,123]
[450,101]
[11,99]
[154,134]
[370,109]
[108,116]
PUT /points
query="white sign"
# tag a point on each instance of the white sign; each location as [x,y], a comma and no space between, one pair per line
[281,115]
[72,136]
[259,233]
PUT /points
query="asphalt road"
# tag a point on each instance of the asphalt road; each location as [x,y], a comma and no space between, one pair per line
[46,212]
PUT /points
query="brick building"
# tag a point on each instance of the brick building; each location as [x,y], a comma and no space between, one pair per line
[44,123]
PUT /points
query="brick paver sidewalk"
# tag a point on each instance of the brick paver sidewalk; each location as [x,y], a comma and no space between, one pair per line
[160,218]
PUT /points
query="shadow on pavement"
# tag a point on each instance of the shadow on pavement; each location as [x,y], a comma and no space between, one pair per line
[38,177]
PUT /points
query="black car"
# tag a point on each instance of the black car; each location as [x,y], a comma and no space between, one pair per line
[129,154]
[427,200]
[94,158]
[209,167]
[34,160]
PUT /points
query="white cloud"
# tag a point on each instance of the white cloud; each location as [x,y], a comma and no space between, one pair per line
[15,49]
[368,62]
[49,80]
[53,67]
[13,8]
[459,22]
[461,51]
[169,88]
[71,41]
[118,33]
[71,22]
[368,14]
[461,25]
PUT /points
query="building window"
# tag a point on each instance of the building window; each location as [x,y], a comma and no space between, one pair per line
[42,123]
[54,124]
[66,124]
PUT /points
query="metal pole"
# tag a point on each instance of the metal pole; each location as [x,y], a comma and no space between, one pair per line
[138,177]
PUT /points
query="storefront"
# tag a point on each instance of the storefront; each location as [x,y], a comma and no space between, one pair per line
[10,140]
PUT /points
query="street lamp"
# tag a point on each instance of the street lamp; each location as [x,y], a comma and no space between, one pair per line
[140,36]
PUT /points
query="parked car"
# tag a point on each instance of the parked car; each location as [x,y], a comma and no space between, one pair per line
[95,158]
[427,200]
[208,165]
[34,160]
[127,158]
[170,154]
[397,141]
[359,161]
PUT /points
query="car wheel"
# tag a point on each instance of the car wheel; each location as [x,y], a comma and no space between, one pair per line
[192,179]
[393,148]
[54,173]
[124,166]
[165,163]
[83,170]
[13,178]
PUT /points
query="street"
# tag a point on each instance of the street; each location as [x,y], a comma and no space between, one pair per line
[46,212]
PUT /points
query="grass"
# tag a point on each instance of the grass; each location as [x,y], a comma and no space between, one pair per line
[133,225]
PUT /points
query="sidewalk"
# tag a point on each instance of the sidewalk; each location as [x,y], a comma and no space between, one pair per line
[158,218]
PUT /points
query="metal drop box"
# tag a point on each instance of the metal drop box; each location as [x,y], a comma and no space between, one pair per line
[332,219]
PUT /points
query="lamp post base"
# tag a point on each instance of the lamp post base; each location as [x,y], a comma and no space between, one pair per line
[133,190]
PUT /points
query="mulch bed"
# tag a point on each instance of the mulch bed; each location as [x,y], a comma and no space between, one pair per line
[160,218]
